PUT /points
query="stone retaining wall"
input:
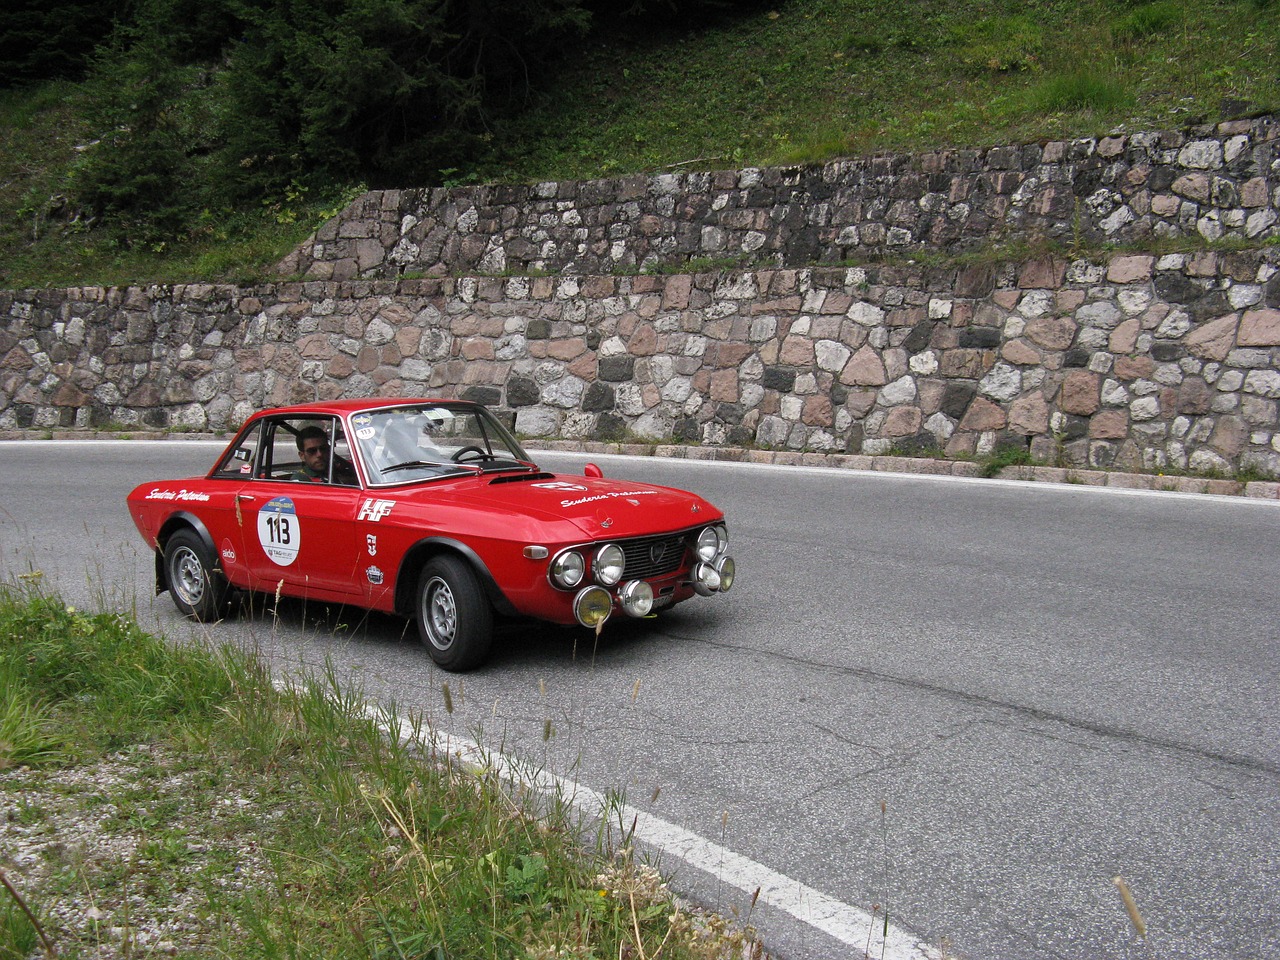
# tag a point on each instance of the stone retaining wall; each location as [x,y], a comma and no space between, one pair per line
[1140,361]
[1209,182]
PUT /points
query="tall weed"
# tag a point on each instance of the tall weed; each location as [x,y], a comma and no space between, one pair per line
[27,731]
[1146,21]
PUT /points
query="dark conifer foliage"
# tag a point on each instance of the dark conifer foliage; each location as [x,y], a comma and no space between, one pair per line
[205,109]
[204,106]
[42,40]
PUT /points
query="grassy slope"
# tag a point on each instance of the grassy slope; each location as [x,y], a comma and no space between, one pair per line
[804,82]
[168,794]
[824,77]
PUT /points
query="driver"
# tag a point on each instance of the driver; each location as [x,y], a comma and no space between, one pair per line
[313,447]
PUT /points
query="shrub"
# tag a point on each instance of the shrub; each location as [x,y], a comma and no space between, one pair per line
[1079,91]
[1146,21]
[999,44]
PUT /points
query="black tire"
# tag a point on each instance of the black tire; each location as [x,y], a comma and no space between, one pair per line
[455,621]
[197,588]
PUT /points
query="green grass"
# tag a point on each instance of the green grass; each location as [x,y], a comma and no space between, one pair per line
[1010,455]
[800,82]
[1146,21]
[812,79]
[281,824]
[1091,91]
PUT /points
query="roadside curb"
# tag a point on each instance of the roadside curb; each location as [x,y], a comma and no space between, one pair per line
[1253,489]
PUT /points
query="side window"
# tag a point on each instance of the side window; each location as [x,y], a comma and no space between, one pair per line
[343,471]
[239,460]
[286,445]
[308,450]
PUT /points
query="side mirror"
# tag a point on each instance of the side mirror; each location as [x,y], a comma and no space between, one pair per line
[591,470]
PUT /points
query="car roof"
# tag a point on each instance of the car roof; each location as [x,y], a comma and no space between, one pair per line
[345,406]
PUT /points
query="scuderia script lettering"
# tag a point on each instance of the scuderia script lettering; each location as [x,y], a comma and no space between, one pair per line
[607,496]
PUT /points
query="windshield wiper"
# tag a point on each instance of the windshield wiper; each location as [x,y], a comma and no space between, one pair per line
[501,463]
[435,464]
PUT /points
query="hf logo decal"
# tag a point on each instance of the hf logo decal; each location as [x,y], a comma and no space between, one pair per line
[563,485]
[375,510]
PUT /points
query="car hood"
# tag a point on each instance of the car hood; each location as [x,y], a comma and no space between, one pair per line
[596,507]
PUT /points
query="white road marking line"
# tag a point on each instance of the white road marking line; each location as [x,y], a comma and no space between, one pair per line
[841,921]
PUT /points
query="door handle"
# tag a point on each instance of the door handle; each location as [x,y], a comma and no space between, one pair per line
[245,497]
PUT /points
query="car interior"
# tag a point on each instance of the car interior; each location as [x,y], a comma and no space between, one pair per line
[271,451]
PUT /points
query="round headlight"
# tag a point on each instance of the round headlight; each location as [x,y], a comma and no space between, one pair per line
[710,543]
[636,598]
[567,569]
[608,564]
[592,606]
[726,568]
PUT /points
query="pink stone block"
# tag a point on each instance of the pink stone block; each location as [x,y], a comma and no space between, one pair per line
[983,415]
[864,368]
[1131,269]
[1193,186]
[1260,328]
[818,412]
[1020,352]
[1111,146]
[1109,425]
[1124,339]
[1254,193]
[1042,274]
[1203,265]
[1053,333]
[1079,394]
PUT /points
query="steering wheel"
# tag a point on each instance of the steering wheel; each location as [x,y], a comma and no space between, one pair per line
[459,457]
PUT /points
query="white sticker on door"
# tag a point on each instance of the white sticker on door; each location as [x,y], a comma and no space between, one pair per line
[279,532]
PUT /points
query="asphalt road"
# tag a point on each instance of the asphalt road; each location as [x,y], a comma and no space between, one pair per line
[972,702]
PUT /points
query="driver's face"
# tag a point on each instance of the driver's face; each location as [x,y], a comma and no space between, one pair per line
[315,453]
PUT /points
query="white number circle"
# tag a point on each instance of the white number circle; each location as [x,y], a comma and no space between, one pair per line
[279,532]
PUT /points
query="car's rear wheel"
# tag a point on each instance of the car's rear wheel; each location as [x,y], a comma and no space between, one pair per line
[455,620]
[198,590]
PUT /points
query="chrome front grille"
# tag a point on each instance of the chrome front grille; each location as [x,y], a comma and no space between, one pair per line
[649,557]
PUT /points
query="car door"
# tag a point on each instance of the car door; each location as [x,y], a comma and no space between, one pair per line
[298,532]
[223,514]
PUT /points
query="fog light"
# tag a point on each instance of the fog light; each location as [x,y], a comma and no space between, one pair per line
[592,606]
[726,568]
[706,580]
[636,598]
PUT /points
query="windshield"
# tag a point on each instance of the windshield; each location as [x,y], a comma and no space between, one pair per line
[425,441]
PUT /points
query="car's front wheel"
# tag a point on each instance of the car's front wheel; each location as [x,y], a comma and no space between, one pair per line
[455,620]
[198,590]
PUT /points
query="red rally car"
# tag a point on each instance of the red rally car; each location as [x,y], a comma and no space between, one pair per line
[429,509]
